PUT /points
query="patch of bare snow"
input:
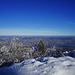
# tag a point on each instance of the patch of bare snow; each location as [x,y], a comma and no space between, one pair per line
[42,66]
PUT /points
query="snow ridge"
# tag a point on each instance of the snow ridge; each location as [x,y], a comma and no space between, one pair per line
[42,66]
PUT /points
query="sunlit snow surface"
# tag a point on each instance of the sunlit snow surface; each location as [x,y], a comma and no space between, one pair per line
[42,66]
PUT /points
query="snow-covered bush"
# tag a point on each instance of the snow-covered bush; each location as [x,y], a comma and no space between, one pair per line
[72,53]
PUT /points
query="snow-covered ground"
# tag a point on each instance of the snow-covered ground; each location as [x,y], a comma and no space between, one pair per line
[42,66]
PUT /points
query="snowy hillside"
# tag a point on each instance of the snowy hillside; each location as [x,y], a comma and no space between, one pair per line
[42,66]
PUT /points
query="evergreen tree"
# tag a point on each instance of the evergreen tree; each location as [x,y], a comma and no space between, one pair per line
[41,48]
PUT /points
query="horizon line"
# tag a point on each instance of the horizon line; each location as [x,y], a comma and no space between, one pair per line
[37,35]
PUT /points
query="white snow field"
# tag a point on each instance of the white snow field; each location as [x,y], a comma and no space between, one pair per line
[42,66]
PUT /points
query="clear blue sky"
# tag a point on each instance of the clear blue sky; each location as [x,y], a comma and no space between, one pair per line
[37,17]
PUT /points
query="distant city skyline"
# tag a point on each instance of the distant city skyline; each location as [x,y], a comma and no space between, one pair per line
[37,17]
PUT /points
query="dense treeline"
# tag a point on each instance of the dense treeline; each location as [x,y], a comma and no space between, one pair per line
[17,52]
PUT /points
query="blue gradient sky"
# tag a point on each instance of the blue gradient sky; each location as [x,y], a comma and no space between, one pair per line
[37,17]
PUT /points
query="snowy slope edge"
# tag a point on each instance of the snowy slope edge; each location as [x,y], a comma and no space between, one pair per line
[42,66]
